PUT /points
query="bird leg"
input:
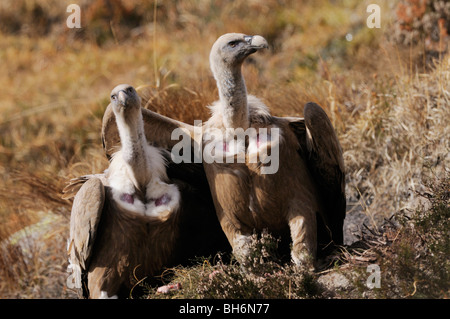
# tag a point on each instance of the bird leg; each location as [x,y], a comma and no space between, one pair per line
[241,249]
[303,236]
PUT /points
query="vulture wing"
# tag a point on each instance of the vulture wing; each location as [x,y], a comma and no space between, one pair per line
[320,147]
[73,187]
[86,212]
[75,184]
[158,130]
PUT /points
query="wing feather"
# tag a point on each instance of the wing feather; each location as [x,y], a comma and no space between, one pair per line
[84,220]
[320,147]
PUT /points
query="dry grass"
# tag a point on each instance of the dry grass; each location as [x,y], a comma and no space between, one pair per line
[391,115]
[399,139]
[264,276]
[410,248]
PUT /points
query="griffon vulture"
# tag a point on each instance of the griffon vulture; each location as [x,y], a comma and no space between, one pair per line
[305,196]
[139,216]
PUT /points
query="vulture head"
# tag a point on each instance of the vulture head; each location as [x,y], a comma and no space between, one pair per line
[124,97]
[231,49]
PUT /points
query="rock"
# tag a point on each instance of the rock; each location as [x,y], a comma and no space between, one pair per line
[334,281]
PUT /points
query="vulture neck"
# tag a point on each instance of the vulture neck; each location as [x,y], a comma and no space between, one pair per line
[134,150]
[233,97]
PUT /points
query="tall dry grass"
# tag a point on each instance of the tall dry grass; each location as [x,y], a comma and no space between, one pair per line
[391,116]
[399,139]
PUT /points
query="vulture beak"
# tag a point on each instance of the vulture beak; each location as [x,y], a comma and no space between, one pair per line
[256,42]
[122,97]
[253,43]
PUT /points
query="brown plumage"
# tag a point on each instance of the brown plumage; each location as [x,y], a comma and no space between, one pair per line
[309,182]
[139,216]
[112,245]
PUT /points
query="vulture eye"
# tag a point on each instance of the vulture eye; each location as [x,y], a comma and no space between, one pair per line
[113,97]
[233,43]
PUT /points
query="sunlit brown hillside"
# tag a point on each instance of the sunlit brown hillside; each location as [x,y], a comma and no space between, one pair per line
[386,90]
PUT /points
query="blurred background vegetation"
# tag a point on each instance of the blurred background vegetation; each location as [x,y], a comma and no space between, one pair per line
[386,91]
